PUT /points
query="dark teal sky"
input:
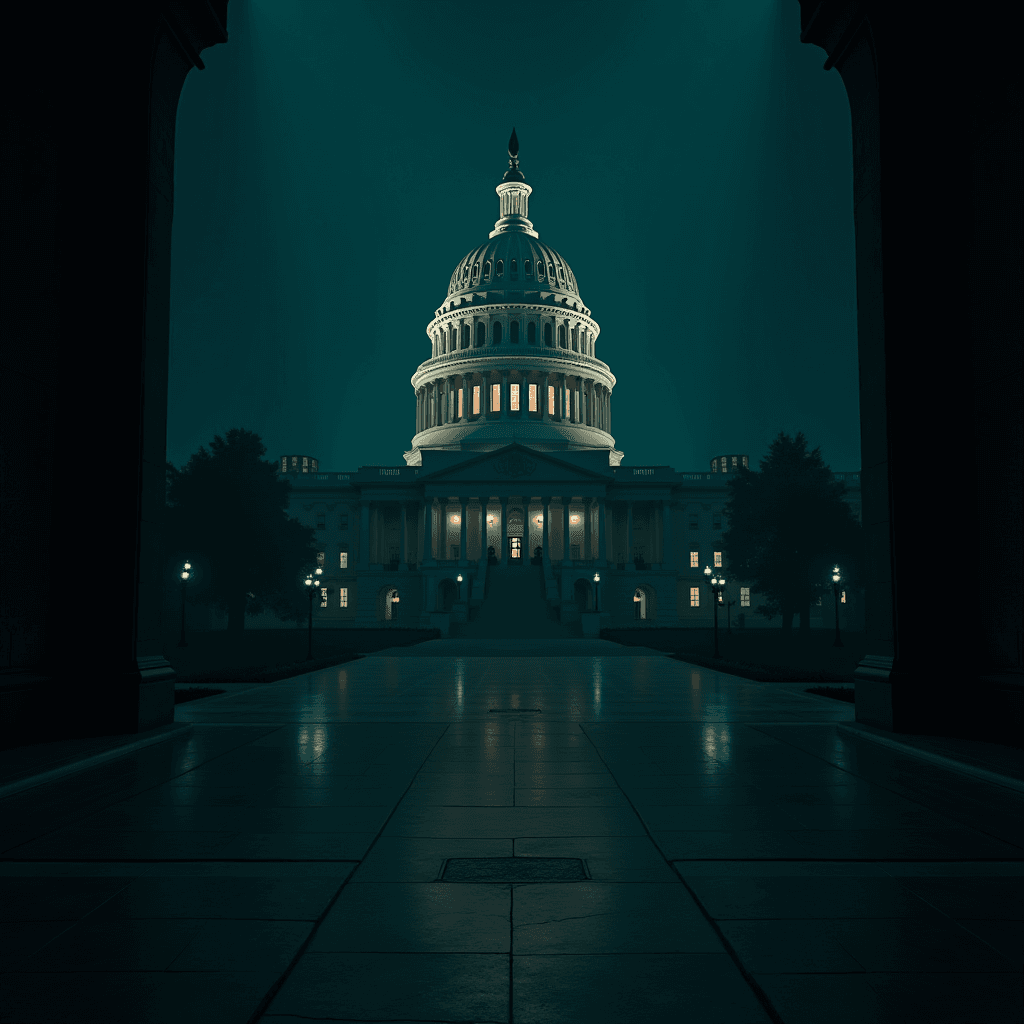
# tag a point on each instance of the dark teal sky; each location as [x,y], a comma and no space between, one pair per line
[691,162]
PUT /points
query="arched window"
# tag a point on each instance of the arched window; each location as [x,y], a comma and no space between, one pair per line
[496,331]
[531,333]
[487,270]
[500,268]
[561,275]
[512,270]
[476,270]
[551,270]
[465,335]
[513,328]
[561,335]
[436,349]
[527,267]
[540,270]
[547,335]
[481,335]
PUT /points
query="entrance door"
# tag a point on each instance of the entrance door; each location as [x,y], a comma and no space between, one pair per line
[515,547]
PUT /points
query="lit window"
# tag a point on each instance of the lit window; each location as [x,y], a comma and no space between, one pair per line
[694,560]
[551,400]
[744,597]
[476,399]
[343,591]
[284,463]
[734,461]
[321,520]
[343,559]
[456,520]
[323,597]
[495,396]
[295,461]
[533,395]
[745,460]
[842,600]
[694,597]
[718,559]
[720,598]
[527,268]
[460,403]
[513,398]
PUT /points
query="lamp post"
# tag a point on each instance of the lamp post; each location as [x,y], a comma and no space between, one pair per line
[394,610]
[458,580]
[312,582]
[186,572]
[717,586]
[597,584]
[728,616]
[835,594]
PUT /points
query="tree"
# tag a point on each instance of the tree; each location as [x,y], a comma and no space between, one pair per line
[788,526]
[227,509]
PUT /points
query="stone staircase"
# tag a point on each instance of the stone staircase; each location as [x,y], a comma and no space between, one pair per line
[514,608]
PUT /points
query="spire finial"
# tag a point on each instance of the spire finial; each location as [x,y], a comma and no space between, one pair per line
[513,173]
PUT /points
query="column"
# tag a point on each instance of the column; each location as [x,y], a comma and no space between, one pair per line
[462,531]
[603,553]
[588,509]
[485,387]
[547,527]
[566,549]
[502,550]
[561,398]
[504,394]
[666,534]
[403,553]
[629,532]
[364,534]
[427,554]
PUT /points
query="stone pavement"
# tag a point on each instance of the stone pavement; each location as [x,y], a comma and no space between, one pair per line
[530,833]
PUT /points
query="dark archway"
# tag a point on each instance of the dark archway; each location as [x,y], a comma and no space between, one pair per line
[447,595]
[583,595]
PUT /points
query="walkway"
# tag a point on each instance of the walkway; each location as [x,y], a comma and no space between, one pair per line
[488,835]
[514,606]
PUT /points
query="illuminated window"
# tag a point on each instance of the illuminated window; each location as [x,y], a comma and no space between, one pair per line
[295,461]
[343,524]
[694,597]
[343,591]
[693,520]
[744,597]
[321,520]
[531,334]
[735,460]
[513,398]
[460,403]
[476,399]
[284,463]
[718,559]
[842,600]
[323,597]
[343,560]
[551,400]
[574,520]
[745,461]
[694,560]
[527,268]
[495,398]
[533,395]
[720,598]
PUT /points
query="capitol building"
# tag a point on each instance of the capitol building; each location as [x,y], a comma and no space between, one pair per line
[513,494]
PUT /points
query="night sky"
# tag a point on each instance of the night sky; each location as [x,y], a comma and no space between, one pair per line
[691,162]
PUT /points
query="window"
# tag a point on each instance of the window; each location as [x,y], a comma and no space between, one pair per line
[495,398]
[693,520]
[343,559]
[465,336]
[321,520]
[735,459]
[718,559]
[512,270]
[513,398]
[744,597]
[513,332]
[496,333]
[547,335]
[694,559]
[284,463]
[343,591]
[561,274]
[745,461]
[694,597]
[460,403]
[343,523]
[842,600]
[533,398]
[481,335]
[551,270]
[717,518]
[531,334]
[526,267]
[476,400]
[487,270]
[500,268]
[540,270]
[551,400]
[561,335]
[323,597]
[320,558]
[721,599]
[476,271]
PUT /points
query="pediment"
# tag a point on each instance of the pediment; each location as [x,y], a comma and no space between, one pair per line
[513,464]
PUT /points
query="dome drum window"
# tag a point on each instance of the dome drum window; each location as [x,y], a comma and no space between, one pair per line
[481,335]
[526,268]
[513,331]
[531,331]
[496,333]
[512,271]
[500,268]
[547,335]
[487,270]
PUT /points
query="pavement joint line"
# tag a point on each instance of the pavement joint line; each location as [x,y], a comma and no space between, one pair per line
[984,774]
[177,731]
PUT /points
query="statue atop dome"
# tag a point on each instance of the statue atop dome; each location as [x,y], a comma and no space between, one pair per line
[513,173]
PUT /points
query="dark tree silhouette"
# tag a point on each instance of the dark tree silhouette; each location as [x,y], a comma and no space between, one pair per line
[788,526]
[226,510]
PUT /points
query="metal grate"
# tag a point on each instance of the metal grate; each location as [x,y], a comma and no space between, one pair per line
[514,869]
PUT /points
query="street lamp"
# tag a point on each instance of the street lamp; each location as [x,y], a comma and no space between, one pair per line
[717,585]
[835,595]
[312,581]
[394,601]
[597,583]
[186,572]
[458,579]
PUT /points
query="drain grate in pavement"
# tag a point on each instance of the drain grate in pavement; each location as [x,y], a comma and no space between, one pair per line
[514,711]
[514,869]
